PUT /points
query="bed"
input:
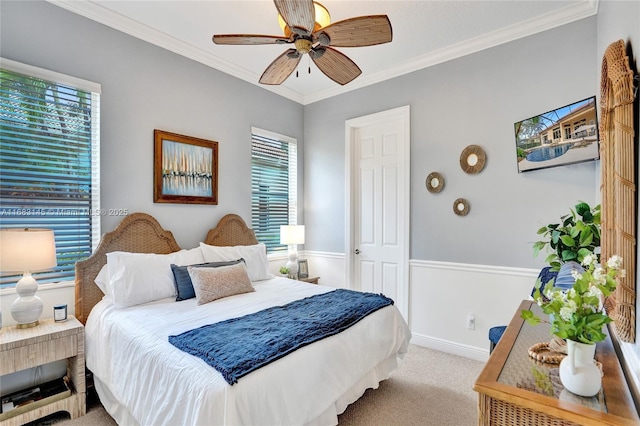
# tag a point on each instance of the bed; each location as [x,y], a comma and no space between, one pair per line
[143,379]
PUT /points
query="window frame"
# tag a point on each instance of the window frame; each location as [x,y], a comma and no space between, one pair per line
[95,211]
[292,183]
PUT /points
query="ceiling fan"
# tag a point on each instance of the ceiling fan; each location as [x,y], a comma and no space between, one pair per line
[306,25]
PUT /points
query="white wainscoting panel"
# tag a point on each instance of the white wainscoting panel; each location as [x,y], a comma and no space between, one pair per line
[330,267]
[443,294]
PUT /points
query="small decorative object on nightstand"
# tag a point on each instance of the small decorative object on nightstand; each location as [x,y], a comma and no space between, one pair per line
[27,250]
[28,348]
[60,313]
[303,268]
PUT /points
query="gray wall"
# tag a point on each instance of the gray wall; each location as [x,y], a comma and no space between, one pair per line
[146,88]
[472,100]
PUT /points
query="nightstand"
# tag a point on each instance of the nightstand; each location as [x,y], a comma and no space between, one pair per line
[312,280]
[47,342]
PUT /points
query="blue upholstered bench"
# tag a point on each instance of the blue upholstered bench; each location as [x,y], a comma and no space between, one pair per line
[495,333]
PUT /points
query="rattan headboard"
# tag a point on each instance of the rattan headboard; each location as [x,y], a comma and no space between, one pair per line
[141,233]
[231,231]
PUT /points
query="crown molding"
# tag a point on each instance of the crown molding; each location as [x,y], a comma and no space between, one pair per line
[129,26]
[565,15]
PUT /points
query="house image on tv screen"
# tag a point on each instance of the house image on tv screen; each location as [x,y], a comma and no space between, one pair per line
[566,135]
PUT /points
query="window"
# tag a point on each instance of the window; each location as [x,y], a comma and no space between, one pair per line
[49,161]
[273,186]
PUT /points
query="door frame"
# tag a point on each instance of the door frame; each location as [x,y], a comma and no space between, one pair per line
[351,125]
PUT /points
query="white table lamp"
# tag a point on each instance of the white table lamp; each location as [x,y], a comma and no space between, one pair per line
[27,250]
[292,235]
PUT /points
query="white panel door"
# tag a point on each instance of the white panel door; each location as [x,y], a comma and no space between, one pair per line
[380,205]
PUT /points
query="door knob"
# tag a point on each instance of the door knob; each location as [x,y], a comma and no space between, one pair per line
[357,251]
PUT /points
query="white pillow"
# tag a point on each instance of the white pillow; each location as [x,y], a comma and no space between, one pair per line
[184,257]
[255,257]
[136,278]
[102,280]
[188,257]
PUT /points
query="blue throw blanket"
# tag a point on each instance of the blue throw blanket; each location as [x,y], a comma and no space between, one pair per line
[238,346]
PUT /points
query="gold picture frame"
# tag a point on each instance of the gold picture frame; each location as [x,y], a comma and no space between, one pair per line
[185,169]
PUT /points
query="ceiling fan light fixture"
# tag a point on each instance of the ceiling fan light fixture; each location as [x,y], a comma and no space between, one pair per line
[303,45]
[323,18]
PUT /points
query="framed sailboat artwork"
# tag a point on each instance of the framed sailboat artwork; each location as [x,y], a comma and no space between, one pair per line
[185,169]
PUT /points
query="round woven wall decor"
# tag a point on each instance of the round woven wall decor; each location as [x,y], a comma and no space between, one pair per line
[472,159]
[461,207]
[435,182]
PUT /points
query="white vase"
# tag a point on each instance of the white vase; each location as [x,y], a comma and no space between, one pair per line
[578,372]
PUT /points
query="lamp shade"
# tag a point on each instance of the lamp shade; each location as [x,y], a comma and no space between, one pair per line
[292,234]
[27,249]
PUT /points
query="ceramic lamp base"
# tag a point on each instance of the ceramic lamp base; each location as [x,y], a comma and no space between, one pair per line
[292,264]
[27,308]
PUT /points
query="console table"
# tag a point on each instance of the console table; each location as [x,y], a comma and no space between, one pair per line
[515,389]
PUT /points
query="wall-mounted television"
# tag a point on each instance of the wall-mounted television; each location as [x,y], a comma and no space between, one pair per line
[565,135]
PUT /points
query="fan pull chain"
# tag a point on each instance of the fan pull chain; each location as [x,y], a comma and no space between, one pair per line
[309,64]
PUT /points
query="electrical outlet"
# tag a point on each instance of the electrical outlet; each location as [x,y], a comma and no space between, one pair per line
[471,322]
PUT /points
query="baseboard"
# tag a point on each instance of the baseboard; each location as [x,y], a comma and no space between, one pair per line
[454,348]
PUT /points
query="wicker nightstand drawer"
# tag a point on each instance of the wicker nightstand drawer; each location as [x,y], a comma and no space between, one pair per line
[41,353]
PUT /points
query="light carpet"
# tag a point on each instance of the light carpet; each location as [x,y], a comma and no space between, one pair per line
[430,388]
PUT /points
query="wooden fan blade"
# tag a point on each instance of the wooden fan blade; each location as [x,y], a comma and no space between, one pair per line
[359,31]
[248,39]
[335,65]
[281,67]
[298,14]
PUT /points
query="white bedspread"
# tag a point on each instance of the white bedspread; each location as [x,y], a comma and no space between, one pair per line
[157,384]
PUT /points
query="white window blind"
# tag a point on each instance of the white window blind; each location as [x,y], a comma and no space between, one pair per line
[49,161]
[273,186]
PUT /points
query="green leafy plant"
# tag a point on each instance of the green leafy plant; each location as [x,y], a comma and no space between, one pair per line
[574,239]
[578,313]
[284,270]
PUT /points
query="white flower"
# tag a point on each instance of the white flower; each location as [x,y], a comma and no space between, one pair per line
[595,291]
[576,274]
[622,273]
[568,310]
[548,292]
[614,262]
[589,259]
[599,276]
